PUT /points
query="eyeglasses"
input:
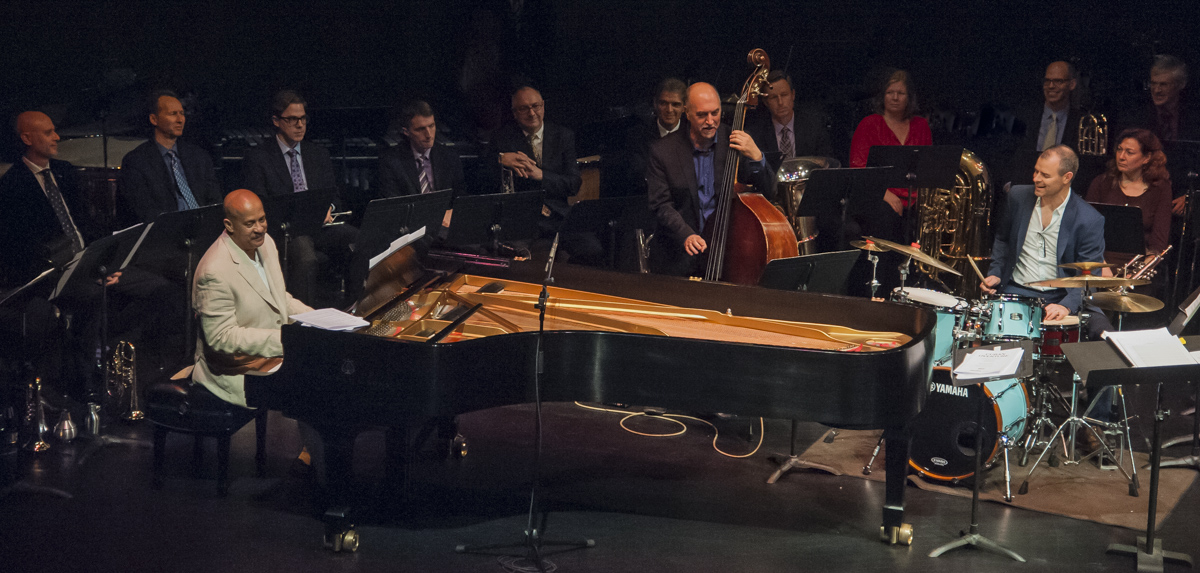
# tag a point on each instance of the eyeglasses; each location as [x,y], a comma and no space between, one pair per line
[1160,85]
[292,120]
[1054,82]
[529,108]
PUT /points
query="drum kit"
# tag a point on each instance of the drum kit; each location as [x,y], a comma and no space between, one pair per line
[943,436]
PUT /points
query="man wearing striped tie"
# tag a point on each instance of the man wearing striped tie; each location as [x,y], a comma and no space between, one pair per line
[165,174]
[424,164]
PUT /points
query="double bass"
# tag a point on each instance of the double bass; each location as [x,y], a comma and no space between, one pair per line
[747,231]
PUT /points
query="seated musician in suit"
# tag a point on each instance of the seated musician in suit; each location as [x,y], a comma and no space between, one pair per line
[685,173]
[424,164]
[1169,116]
[241,299]
[1043,226]
[624,170]
[43,225]
[165,174]
[787,131]
[287,165]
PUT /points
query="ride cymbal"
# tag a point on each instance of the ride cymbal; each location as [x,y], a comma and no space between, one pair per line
[1126,302]
[1087,266]
[1089,281]
[915,253]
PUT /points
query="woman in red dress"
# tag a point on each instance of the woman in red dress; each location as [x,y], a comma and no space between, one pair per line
[1137,176]
[893,123]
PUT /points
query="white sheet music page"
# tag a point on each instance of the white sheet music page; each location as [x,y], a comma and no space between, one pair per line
[1155,347]
[396,245]
[329,319]
[984,363]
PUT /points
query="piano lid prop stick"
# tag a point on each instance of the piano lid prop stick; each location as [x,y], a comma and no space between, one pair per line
[550,261]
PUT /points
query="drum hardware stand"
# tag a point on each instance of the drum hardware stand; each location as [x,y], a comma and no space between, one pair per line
[874,284]
[1122,428]
[972,537]
[1149,551]
[1041,422]
[533,542]
[793,460]
[1074,421]
[1192,460]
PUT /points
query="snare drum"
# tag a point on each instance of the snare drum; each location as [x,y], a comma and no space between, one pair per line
[1056,333]
[943,437]
[1010,316]
[948,309]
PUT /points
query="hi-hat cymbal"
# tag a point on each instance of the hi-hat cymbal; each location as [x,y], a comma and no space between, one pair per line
[1126,302]
[1089,281]
[1087,266]
[866,246]
[915,253]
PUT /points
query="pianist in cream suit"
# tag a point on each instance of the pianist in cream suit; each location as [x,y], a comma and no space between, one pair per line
[239,295]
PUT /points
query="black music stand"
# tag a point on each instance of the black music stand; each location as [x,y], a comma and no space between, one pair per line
[972,537]
[1123,232]
[1105,366]
[295,215]
[918,166]
[822,272]
[386,220]
[496,218]
[1184,313]
[605,216]
[837,194]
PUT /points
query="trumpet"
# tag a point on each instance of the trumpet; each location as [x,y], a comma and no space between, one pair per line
[1093,135]
[1143,266]
[121,379]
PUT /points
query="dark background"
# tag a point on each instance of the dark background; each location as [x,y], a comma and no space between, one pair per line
[592,60]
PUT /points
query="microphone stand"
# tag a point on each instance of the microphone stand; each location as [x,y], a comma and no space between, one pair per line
[533,541]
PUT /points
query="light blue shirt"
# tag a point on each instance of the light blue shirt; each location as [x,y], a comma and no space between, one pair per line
[283,148]
[1038,260]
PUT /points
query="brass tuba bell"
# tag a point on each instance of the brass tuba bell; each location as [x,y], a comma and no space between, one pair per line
[791,182]
[1093,135]
[955,224]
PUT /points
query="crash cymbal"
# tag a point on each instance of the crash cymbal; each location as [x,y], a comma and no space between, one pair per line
[915,253]
[867,246]
[1089,281]
[1087,266]
[1126,302]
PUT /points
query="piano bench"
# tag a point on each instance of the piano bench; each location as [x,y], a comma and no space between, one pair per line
[178,405]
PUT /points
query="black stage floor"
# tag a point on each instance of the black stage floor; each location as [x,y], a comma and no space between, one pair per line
[651,504]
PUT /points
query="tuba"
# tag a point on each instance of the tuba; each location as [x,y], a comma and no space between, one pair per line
[955,224]
[792,180]
[1093,135]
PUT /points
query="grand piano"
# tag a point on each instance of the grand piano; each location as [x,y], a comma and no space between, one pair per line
[443,343]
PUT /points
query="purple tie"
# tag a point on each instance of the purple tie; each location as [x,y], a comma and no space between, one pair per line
[294,167]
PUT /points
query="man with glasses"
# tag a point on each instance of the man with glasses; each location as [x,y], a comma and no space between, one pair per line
[1057,121]
[165,174]
[286,164]
[1170,118]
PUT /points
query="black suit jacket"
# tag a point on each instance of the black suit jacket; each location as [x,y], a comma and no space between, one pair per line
[265,168]
[29,230]
[810,137]
[673,189]
[560,170]
[398,174]
[147,189]
[1031,122]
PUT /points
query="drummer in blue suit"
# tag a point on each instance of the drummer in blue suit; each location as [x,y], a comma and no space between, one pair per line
[1045,225]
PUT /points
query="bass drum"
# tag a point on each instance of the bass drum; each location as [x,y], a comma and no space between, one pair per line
[943,437]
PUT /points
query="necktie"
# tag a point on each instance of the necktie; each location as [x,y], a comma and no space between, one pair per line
[423,166]
[297,174]
[1166,124]
[1051,133]
[785,143]
[537,151]
[60,211]
[189,200]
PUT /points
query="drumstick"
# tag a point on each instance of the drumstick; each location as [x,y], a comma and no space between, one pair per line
[971,260]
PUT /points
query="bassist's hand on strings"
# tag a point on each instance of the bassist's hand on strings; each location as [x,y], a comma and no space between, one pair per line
[694,245]
[742,142]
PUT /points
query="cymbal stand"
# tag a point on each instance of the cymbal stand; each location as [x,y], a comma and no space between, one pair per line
[874,260]
[793,460]
[1044,390]
[1192,460]
[904,272]
[972,537]
[535,526]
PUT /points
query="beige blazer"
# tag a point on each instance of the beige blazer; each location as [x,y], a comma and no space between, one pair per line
[239,315]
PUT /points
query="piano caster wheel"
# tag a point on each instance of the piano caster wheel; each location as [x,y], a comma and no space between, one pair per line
[458,447]
[902,535]
[338,541]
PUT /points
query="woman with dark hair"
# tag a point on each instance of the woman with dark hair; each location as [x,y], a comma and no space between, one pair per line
[893,123]
[1137,176]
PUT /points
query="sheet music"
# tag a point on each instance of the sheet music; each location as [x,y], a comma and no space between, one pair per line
[329,319]
[1155,347]
[396,246]
[985,363]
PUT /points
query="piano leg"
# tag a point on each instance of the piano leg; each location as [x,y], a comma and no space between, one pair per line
[894,531]
[338,446]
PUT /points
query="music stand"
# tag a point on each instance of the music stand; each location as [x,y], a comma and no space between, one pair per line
[295,215]
[490,219]
[1184,313]
[972,537]
[1100,362]
[386,220]
[605,215]
[822,272]
[918,166]
[836,194]
[1123,232]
